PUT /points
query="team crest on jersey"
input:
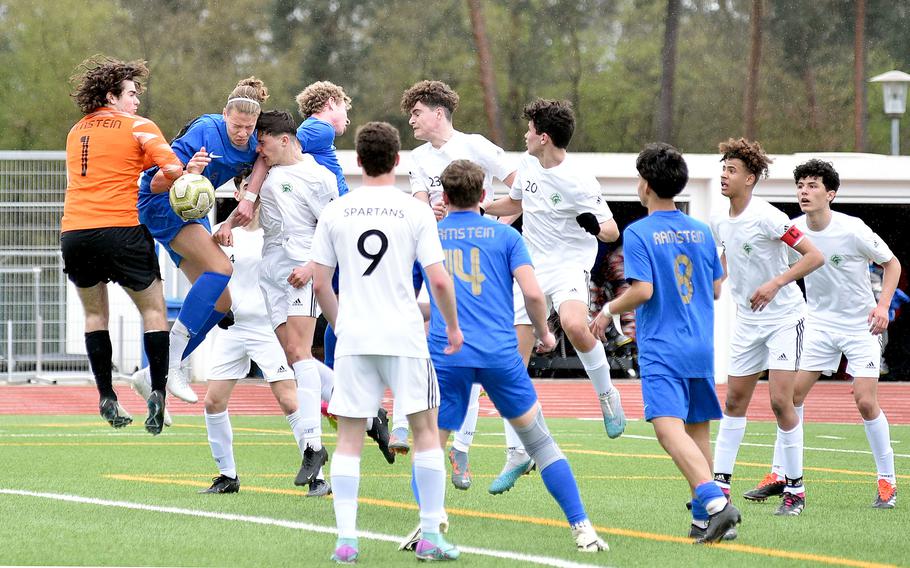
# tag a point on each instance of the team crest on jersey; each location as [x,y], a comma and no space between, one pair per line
[555,198]
[286,188]
[748,248]
[836,260]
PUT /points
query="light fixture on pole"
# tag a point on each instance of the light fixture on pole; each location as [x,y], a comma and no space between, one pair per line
[894,88]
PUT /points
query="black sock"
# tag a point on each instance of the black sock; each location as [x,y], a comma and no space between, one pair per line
[156,350]
[99,349]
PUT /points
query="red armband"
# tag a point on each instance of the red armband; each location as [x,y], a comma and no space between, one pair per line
[792,236]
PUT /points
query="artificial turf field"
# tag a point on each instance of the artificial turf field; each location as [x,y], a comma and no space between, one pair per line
[75,492]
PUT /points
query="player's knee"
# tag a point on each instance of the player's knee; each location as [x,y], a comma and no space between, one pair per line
[779,405]
[538,442]
[867,406]
[215,404]
[733,405]
[576,331]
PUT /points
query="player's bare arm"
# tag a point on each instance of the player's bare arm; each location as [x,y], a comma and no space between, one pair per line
[878,317]
[244,210]
[609,232]
[637,294]
[812,258]
[504,206]
[163,180]
[322,287]
[536,305]
[444,293]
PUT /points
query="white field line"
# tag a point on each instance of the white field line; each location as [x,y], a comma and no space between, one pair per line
[296,525]
[834,450]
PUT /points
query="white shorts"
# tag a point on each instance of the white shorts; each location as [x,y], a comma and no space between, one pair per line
[234,348]
[823,349]
[282,299]
[756,347]
[361,380]
[558,286]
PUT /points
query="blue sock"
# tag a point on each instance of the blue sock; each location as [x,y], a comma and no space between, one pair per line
[561,484]
[699,513]
[707,492]
[414,486]
[197,339]
[328,342]
[200,300]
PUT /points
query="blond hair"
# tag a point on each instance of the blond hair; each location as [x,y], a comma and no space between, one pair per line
[247,96]
[315,96]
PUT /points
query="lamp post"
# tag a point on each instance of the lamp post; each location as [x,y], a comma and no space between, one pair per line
[894,88]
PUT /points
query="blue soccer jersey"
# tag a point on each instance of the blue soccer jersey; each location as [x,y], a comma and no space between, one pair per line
[481,256]
[675,328]
[317,137]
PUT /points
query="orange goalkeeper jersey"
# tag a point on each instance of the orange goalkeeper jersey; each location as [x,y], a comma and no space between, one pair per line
[105,153]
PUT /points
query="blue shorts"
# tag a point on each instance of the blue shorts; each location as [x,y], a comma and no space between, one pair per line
[155,213]
[509,388]
[691,400]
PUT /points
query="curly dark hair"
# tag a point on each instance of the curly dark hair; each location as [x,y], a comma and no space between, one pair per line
[663,167]
[99,75]
[462,182]
[554,118]
[434,94]
[749,152]
[377,144]
[315,96]
[818,169]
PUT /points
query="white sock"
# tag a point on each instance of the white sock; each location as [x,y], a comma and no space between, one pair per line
[729,436]
[399,418]
[465,436]
[791,443]
[430,476]
[179,338]
[296,422]
[345,473]
[879,435]
[598,368]
[309,401]
[799,412]
[513,442]
[777,461]
[326,379]
[221,440]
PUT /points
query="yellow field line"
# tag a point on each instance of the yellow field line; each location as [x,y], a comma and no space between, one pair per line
[746,549]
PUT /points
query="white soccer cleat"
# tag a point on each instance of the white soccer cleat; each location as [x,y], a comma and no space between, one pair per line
[141,383]
[178,384]
[586,539]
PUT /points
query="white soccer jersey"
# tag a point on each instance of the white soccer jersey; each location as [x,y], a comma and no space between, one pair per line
[840,292]
[374,235]
[551,198]
[246,298]
[292,200]
[428,163]
[755,244]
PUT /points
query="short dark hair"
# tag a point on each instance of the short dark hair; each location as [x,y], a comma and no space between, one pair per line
[462,182]
[554,118]
[434,94]
[749,152]
[276,123]
[377,144]
[818,169]
[99,75]
[663,167]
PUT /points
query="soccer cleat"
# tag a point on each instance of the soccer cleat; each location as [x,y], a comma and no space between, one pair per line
[586,539]
[333,420]
[435,547]
[309,467]
[115,415]
[720,523]
[380,434]
[319,488]
[398,441]
[887,495]
[792,505]
[614,417]
[156,405]
[223,484]
[770,486]
[410,541]
[141,383]
[178,384]
[461,469]
[698,533]
[345,551]
[518,463]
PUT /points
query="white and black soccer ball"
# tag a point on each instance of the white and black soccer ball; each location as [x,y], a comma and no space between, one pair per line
[192,196]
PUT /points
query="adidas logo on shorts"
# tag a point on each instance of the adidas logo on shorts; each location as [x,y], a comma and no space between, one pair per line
[297,302]
[871,365]
[783,357]
[282,369]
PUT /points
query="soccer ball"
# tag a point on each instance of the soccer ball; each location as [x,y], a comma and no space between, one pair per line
[192,196]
